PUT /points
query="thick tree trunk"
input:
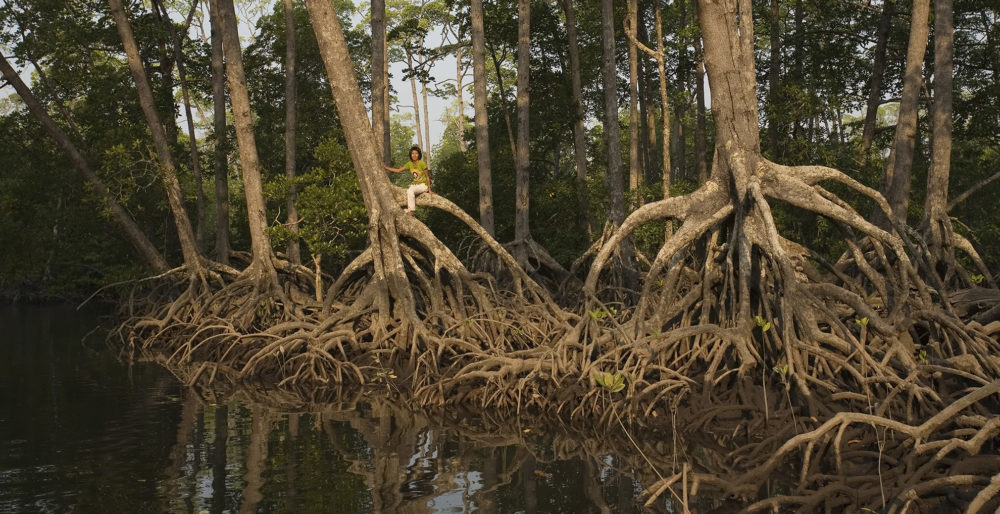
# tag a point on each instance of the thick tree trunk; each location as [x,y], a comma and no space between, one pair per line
[291,99]
[634,168]
[773,78]
[612,137]
[584,220]
[249,161]
[729,60]
[375,186]
[482,123]
[878,73]
[185,234]
[221,164]
[522,230]
[936,205]
[897,176]
[380,84]
[143,247]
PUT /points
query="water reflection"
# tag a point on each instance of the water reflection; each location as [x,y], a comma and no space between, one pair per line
[82,431]
[373,456]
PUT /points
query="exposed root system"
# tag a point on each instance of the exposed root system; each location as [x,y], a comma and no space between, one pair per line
[858,375]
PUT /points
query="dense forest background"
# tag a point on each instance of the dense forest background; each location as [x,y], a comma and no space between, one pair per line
[823,69]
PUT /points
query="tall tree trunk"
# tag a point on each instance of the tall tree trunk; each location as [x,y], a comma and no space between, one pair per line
[380,84]
[700,159]
[482,123]
[661,68]
[427,117]
[897,176]
[612,137]
[189,245]
[680,151]
[729,59]
[221,164]
[143,247]
[249,161]
[584,220]
[503,102]
[522,230]
[199,230]
[773,84]
[647,120]
[416,100]
[936,205]
[634,168]
[291,99]
[375,186]
[878,73]
[459,85]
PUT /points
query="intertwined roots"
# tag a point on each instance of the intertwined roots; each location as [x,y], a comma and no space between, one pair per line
[864,355]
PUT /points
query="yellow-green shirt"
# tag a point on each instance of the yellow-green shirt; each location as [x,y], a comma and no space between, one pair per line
[419,170]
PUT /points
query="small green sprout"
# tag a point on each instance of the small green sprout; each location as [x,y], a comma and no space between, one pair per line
[781,370]
[977,279]
[613,383]
[762,323]
[862,321]
[922,357]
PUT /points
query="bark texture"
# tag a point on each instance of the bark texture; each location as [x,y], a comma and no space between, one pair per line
[481,118]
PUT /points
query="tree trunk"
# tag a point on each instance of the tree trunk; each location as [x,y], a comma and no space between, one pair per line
[661,68]
[291,99]
[375,187]
[380,83]
[249,161]
[416,100]
[143,247]
[773,85]
[503,102]
[427,117]
[680,151]
[522,231]
[221,163]
[700,159]
[612,137]
[482,117]
[189,245]
[199,230]
[459,85]
[584,220]
[936,205]
[897,176]
[634,168]
[878,73]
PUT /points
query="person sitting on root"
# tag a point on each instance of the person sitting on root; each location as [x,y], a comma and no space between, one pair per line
[421,178]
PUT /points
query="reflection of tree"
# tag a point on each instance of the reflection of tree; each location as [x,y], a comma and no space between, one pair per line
[726,458]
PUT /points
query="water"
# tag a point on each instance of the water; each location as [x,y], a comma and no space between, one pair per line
[82,430]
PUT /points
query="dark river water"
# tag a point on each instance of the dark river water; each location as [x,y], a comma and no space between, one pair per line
[84,430]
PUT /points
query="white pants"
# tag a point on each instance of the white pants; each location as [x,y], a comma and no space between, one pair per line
[411,195]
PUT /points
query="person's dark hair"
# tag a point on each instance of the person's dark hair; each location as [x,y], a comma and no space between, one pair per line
[420,155]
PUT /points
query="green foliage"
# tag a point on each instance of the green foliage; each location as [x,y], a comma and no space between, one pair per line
[764,324]
[599,313]
[329,204]
[613,383]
